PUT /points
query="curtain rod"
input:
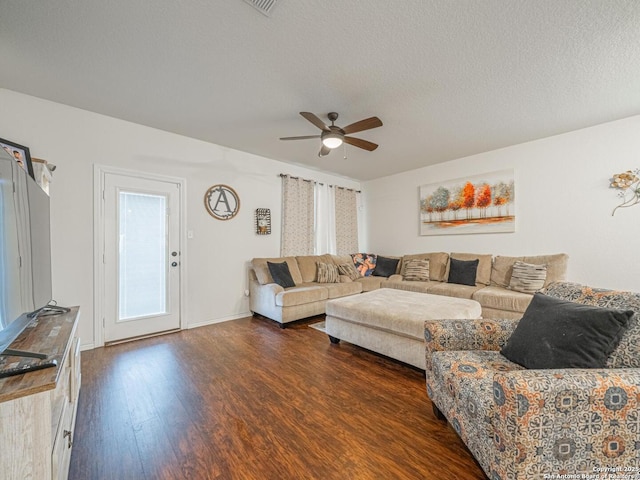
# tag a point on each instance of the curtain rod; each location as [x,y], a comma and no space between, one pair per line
[319,183]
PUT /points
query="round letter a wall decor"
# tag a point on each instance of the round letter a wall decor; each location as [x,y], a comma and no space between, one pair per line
[222,202]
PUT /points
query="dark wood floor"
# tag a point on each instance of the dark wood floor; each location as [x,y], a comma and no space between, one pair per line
[247,400]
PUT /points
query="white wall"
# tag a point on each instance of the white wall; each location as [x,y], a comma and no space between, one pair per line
[218,254]
[564,204]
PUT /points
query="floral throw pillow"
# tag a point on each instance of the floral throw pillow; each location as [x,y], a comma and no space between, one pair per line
[365,263]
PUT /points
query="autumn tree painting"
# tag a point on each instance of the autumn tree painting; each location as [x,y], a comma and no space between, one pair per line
[483,199]
[468,197]
[455,203]
[486,201]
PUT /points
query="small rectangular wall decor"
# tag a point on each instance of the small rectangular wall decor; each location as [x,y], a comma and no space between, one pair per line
[263,221]
[476,204]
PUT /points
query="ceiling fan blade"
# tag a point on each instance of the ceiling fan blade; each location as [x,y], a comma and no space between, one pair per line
[315,120]
[366,124]
[324,151]
[358,142]
[304,137]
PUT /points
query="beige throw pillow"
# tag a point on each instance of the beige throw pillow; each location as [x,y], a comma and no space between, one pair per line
[416,270]
[328,273]
[349,270]
[527,277]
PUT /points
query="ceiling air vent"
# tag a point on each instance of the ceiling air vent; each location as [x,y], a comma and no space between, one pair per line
[263,6]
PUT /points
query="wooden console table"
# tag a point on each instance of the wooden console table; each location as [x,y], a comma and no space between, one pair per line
[38,409]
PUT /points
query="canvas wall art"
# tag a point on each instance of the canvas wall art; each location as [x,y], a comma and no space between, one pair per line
[476,204]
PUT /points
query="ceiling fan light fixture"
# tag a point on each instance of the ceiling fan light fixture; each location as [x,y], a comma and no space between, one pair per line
[333,136]
[332,140]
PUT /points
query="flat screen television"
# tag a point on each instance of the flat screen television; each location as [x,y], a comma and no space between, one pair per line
[25,251]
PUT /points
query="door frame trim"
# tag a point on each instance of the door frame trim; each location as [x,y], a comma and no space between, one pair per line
[99,271]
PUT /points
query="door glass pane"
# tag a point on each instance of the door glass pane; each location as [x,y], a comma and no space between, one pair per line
[142,255]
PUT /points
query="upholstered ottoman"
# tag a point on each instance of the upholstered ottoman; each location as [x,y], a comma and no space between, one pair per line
[391,322]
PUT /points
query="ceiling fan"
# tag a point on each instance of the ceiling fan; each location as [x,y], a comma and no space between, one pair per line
[333,136]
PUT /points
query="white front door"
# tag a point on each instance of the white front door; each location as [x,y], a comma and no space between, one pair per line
[141,256]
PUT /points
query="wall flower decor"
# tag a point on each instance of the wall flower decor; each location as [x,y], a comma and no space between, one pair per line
[628,186]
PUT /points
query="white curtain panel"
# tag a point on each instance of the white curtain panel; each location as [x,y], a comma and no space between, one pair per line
[325,221]
[346,221]
[297,217]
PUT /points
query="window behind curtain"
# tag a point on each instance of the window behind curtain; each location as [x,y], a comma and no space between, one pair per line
[318,218]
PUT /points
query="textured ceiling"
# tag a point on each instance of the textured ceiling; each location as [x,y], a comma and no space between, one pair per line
[447,78]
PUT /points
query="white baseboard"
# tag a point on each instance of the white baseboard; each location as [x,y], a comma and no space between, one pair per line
[219,320]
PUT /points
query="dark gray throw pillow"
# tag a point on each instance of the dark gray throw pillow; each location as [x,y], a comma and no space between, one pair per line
[556,333]
[463,272]
[385,267]
[281,274]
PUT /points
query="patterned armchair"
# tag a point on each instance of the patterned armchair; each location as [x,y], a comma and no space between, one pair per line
[529,424]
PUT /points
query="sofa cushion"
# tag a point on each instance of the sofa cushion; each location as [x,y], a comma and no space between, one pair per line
[502,269]
[262,271]
[301,295]
[327,273]
[485,261]
[527,277]
[370,283]
[437,264]
[308,266]
[280,274]
[463,272]
[557,333]
[452,289]
[337,290]
[340,259]
[498,298]
[385,266]
[467,377]
[408,286]
[556,266]
[416,270]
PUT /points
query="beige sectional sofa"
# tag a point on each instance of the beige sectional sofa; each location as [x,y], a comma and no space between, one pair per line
[308,297]
[492,280]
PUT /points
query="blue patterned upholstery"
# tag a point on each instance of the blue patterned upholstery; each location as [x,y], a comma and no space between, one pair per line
[525,424]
